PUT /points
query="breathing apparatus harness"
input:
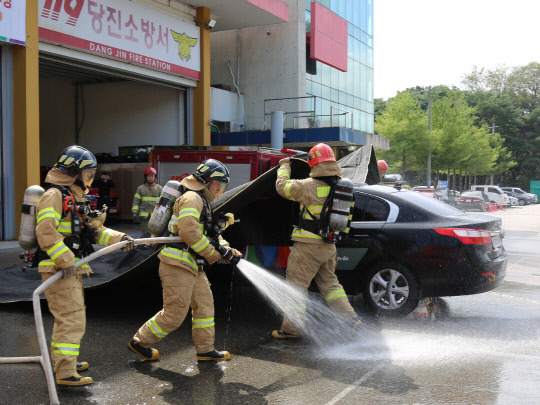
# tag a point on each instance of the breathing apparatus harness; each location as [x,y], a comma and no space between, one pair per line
[213,225]
[83,235]
[322,226]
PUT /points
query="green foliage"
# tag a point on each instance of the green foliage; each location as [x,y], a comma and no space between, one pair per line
[509,98]
[405,124]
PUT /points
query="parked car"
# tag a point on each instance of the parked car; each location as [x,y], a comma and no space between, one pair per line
[401,247]
[473,201]
[519,199]
[494,193]
[533,197]
[427,191]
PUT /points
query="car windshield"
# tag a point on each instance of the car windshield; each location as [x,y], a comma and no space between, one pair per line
[431,204]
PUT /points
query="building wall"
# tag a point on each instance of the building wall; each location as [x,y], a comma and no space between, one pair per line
[351,90]
[116,114]
[267,62]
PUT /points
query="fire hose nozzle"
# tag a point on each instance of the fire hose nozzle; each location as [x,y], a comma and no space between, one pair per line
[227,255]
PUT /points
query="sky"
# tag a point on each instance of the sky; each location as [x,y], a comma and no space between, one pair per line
[432,42]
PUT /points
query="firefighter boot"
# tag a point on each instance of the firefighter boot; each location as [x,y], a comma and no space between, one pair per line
[82,366]
[214,355]
[279,334]
[75,380]
[147,353]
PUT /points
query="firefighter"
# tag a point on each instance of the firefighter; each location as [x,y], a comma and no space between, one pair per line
[311,257]
[64,238]
[182,267]
[145,199]
[383,168]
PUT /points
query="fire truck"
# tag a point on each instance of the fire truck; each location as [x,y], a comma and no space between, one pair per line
[243,165]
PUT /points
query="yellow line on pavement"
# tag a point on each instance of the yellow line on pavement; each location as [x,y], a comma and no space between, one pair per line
[513,296]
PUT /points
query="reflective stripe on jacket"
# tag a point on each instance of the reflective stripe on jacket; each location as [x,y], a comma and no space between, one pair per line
[186,222]
[311,193]
[52,228]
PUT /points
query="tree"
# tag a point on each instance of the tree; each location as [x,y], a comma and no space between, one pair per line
[405,124]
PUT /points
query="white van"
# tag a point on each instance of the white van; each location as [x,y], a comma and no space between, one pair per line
[494,194]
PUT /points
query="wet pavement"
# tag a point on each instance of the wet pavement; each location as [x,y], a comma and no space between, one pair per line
[480,349]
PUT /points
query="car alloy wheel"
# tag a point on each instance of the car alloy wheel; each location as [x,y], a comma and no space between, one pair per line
[522,202]
[391,290]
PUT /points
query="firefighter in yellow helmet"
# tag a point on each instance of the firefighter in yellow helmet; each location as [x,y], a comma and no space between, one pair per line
[311,257]
[65,233]
[182,267]
[145,199]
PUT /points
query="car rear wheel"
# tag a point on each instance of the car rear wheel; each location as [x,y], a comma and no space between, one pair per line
[390,290]
[521,202]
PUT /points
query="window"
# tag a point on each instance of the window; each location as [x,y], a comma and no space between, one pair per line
[369,209]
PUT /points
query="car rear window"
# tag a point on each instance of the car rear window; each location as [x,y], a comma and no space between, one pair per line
[431,204]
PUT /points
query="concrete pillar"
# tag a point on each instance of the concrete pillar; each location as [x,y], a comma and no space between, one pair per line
[201,93]
[276,133]
[26,109]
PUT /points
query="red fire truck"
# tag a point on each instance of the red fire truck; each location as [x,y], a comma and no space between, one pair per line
[244,165]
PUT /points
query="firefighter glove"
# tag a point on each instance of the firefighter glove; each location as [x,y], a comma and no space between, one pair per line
[128,245]
[214,257]
[285,161]
[68,271]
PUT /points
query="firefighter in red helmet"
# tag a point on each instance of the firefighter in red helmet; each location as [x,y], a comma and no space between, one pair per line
[313,258]
[383,168]
[145,199]
[65,233]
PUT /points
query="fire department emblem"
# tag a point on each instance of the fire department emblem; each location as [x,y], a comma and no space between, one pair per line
[185,44]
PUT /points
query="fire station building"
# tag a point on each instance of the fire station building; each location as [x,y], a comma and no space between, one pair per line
[124,76]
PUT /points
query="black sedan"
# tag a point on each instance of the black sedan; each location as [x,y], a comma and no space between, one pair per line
[402,245]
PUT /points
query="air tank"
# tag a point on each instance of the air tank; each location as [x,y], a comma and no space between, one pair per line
[341,205]
[27,232]
[163,210]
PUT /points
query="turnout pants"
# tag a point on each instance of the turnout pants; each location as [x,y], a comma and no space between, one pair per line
[310,261]
[182,289]
[66,302]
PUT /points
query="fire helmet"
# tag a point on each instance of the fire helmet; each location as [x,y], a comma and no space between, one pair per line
[150,170]
[320,153]
[212,169]
[74,159]
[382,166]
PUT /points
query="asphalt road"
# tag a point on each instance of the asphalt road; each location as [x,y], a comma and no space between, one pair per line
[483,349]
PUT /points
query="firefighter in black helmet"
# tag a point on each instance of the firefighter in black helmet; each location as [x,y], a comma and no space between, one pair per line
[182,267]
[64,237]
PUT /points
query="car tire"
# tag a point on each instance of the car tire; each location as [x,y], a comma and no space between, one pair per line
[390,300]
[522,202]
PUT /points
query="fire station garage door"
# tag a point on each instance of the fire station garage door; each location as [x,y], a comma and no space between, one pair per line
[103,108]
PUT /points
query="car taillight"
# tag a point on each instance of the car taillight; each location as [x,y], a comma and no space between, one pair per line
[467,236]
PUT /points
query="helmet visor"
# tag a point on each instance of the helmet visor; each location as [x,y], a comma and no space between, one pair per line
[220,188]
[87,176]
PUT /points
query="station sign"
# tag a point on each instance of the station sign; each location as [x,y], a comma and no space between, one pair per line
[123,30]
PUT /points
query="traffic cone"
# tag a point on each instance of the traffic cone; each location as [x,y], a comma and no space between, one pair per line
[501,207]
[494,206]
[490,209]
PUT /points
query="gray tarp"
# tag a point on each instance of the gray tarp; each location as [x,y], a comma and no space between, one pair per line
[264,218]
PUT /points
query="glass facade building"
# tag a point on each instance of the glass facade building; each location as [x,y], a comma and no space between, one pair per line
[339,92]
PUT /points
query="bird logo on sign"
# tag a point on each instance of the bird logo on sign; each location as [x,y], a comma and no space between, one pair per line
[185,44]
